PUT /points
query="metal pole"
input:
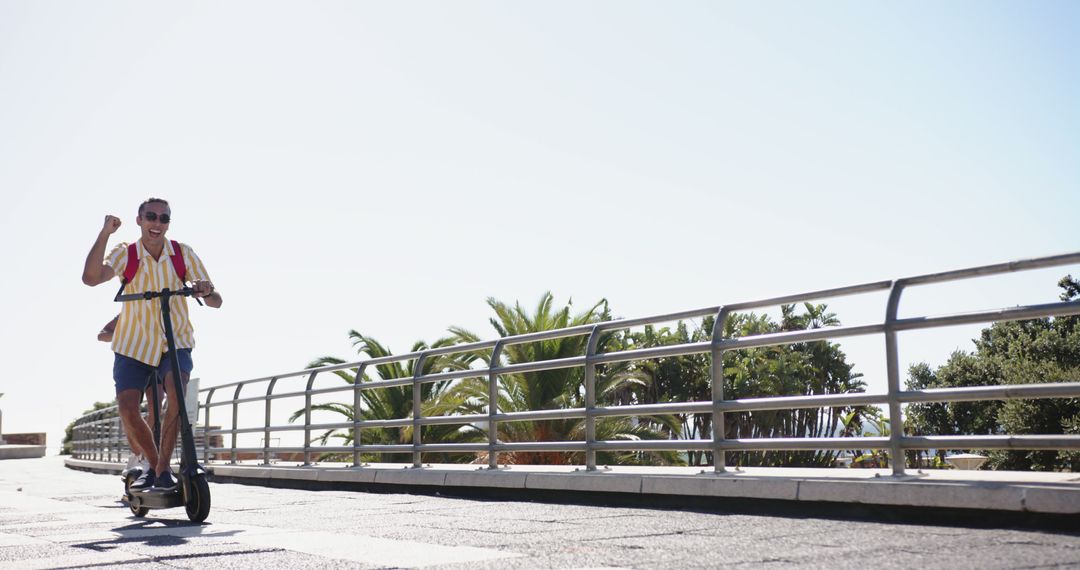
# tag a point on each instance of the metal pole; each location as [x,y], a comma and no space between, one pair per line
[114,439]
[188,456]
[892,362]
[417,411]
[206,424]
[307,419]
[266,423]
[716,373]
[235,424]
[357,409]
[493,406]
[590,399]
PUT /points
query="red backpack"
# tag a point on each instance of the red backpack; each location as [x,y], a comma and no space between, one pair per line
[132,268]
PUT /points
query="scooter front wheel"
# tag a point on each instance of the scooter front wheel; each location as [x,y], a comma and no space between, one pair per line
[128,480]
[198,502]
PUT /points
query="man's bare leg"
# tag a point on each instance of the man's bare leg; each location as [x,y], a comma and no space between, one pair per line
[136,449]
[137,430]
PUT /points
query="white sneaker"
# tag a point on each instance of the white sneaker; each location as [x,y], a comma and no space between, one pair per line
[133,461]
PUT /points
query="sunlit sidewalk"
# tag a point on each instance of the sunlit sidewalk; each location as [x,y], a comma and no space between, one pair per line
[1031,492]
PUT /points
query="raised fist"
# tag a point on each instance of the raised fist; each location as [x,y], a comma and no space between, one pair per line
[112,223]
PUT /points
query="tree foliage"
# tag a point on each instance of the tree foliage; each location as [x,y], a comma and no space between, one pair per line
[1007,353]
[563,387]
[397,402]
[790,370]
[69,431]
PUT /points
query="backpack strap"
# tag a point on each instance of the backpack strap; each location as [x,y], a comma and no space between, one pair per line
[132,267]
[178,261]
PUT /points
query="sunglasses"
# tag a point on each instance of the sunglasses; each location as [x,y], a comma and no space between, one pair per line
[153,217]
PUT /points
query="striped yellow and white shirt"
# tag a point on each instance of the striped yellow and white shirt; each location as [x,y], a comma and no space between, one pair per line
[140,333]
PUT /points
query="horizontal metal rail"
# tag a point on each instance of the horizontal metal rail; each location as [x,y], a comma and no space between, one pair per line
[977,393]
[98,433]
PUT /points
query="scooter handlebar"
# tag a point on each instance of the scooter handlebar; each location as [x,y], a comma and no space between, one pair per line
[146,296]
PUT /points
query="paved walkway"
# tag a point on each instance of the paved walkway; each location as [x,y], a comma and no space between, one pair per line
[996,493]
[53,517]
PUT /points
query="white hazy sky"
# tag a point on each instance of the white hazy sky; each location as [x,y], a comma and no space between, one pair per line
[388,166]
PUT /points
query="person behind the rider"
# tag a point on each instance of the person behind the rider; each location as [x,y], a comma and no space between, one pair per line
[137,459]
[139,340]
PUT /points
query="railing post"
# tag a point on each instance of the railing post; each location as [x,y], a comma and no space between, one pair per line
[892,362]
[307,418]
[121,441]
[716,373]
[96,443]
[235,424]
[206,424]
[95,452]
[590,399]
[493,405]
[418,412]
[100,437]
[266,422]
[357,409]
[106,432]
[114,438]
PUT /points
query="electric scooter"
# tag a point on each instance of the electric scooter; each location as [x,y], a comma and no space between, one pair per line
[193,492]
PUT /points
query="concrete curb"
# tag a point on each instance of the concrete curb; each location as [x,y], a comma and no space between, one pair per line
[1049,493]
[14,451]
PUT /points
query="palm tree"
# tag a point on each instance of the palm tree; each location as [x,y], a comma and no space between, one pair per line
[677,379]
[557,389]
[397,402]
[799,369]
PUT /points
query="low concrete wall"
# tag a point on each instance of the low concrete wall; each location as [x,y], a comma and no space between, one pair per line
[24,438]
[21,451]
[1002,492]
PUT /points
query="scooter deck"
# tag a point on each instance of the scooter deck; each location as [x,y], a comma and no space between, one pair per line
[155,499]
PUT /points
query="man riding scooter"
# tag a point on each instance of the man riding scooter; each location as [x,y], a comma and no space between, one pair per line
[138,341]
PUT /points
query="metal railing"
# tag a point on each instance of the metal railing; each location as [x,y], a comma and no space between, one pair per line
[99,435]
[897,441]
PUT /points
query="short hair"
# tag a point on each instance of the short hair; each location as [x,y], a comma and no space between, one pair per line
[152,201]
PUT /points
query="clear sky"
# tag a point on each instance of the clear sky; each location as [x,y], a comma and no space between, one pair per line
[388,166]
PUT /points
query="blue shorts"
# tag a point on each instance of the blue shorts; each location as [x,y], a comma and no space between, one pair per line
[130,374]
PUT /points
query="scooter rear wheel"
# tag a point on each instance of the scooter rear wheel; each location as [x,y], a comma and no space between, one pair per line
[198,503]
[128,480]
